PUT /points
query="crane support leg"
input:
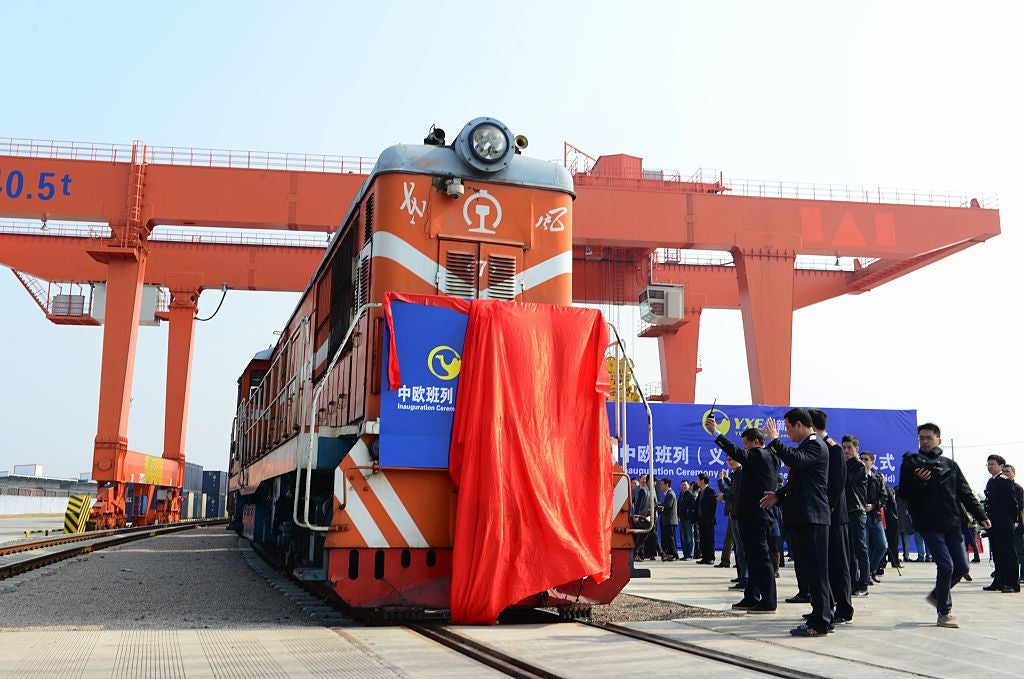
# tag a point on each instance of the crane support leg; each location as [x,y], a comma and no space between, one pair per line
[126,268]
[765,280]
[678,351]
[180,344]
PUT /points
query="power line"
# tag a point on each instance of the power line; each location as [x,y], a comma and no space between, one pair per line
[989,445]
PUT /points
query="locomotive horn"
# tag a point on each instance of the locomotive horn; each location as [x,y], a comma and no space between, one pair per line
[521,142]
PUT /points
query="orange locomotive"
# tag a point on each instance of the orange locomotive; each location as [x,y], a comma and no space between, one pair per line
[473,219]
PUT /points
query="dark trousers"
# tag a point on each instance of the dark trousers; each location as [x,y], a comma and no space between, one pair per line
[1018,547]
[761,575]
[860,576]
[727,544]
[801,580]
[839,568]
[707,540]
[668,540]
[947,550]
[892,537]
[651,547]
[1005,556]
[640,539]
[970,540]
[812,560]
[686,537]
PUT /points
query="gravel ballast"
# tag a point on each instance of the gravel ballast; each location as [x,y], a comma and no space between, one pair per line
[195,579]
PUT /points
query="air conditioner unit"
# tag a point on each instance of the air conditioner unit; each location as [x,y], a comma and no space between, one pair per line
[661,304]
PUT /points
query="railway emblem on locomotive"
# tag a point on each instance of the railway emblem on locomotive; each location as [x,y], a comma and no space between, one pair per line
[444,363]
[487,209]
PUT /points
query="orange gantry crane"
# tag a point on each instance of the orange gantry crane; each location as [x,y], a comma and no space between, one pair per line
[633,227]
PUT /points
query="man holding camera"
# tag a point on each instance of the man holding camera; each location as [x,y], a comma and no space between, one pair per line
[934,487]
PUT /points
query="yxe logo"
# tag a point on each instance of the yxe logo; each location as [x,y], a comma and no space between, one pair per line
[724,426]
[444,363]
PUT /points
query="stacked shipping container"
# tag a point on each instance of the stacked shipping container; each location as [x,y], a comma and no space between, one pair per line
[215,486]
[193,503]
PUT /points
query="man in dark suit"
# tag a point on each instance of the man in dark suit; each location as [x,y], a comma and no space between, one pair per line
[707,506]
[669,521]
[1004,513]
[687,503]
[1018,533]
[838,533]
[856,492]
[760,469]
[806,509]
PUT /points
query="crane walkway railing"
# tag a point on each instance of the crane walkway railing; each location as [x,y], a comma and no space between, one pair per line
[195,157]
[172,235]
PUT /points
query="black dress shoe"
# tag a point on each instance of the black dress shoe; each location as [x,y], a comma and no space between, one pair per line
[1009,590]
[841,620]
[799,599]
[859,592]
[874,579]
[739,585]
[992,588]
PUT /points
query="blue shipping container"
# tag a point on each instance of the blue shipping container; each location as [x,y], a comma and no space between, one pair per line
[216,506]
[215,483]
[193,477]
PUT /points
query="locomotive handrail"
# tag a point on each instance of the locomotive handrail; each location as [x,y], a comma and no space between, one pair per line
[621,402]
[313,438]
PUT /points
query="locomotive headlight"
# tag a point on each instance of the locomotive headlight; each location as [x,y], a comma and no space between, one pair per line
[488,142]
[485,144]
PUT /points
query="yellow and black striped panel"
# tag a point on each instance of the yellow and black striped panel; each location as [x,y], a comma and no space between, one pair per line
[77,513]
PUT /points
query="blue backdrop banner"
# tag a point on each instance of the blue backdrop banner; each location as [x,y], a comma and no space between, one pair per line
[682,448]
[416,419]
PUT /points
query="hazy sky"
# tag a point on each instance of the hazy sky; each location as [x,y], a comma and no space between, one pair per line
[893,94]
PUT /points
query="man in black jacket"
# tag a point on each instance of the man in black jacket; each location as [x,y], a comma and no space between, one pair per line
[1004,512]
[687,503]
[934,487]
[760,468]
[856,491]
[805,506]
[873,502]
[707,506]
[838,534]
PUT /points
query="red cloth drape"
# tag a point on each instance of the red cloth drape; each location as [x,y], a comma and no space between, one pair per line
[530,456]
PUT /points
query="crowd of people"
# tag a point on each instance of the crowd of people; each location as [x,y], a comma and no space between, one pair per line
[840,520]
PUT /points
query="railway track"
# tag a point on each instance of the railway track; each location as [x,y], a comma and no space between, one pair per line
[26,556]
[521,668]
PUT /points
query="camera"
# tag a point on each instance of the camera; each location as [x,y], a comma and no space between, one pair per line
[919,461]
